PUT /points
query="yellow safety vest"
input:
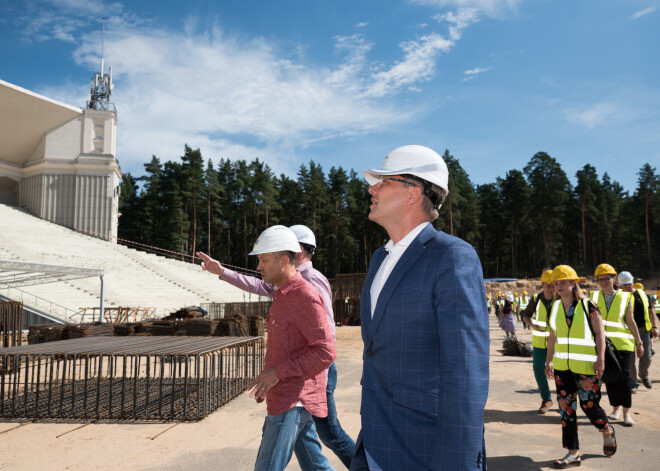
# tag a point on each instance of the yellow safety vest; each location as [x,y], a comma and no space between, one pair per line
[614,319]
[656,306]
[645,303]
[575,349]
[540,320]
[524,301]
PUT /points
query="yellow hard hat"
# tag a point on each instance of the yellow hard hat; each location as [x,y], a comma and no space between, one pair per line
[524,292]
[564,272]
[546,277]
[515,293]
[584,291]
[605,269]
[638,286]
[498,293]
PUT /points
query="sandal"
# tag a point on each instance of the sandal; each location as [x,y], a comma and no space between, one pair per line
[568,461]
[609,443]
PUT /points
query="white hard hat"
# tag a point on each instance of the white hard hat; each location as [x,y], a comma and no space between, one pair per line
[625,278]
[276,239]
[419,161]
[509,297]
[304,234]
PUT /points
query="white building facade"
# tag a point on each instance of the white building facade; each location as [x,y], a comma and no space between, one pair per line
[59,162]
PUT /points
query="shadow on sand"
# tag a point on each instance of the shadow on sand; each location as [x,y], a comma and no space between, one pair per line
[519,417]
[523,463]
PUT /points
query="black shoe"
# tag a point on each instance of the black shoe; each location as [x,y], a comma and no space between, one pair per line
[647,383]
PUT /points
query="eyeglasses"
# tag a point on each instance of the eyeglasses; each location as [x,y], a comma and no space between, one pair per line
[603,280]
[382,179]
[419,183]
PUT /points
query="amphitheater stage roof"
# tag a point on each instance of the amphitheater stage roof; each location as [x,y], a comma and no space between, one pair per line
[16,273]
[24,118]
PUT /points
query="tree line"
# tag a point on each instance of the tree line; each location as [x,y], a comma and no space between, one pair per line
[519,224]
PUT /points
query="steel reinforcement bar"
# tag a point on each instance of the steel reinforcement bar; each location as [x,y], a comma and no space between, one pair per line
[127,378]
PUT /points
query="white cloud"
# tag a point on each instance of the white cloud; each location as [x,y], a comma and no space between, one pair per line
[489,7]
[459,21]
[417,65]
[237,97]
[472,73]
[644,12]
[362,24]
[600,114]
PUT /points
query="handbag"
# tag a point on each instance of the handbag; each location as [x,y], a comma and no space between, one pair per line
[613,371]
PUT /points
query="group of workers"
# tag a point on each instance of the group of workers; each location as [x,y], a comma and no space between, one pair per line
[426,339]
[570,332]
[424,327]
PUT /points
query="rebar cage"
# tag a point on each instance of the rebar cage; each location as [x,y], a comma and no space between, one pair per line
[11,324]
[127,378]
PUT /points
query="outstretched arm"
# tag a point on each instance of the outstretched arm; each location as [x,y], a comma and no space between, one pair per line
[250,284]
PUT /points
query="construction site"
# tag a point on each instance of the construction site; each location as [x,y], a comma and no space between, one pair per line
[120,354]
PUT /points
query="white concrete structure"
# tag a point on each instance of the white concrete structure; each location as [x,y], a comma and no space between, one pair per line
[58,161]
[132,278]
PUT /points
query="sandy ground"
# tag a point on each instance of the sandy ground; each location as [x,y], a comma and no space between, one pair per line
[516,437]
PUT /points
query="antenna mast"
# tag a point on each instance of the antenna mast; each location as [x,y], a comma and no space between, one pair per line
[101,86]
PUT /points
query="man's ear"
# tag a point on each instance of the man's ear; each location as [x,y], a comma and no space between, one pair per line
[415,195]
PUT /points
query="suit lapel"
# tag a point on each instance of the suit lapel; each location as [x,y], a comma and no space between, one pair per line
[365,296]
[405,263]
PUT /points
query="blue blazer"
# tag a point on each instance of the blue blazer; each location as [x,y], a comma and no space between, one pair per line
[426,352]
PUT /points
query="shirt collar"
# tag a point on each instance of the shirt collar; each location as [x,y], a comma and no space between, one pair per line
[289,284]
[407,240]
[304,266]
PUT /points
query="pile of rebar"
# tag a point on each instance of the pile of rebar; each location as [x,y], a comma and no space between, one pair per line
[127,378]
[511,346]
[42,333]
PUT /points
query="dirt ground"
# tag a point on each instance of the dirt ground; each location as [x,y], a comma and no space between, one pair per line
[227,440]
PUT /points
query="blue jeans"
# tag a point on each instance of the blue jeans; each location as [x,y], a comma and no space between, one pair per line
[329,429]
[286,433]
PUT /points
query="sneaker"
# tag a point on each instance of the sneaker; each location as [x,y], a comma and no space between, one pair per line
[633,391]
[647,383]
[545,407]
[628,421]
[615,415]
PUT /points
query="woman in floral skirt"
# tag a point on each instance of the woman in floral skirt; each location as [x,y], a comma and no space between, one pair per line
[576,360]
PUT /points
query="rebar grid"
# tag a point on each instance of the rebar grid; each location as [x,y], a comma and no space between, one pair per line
[127,378]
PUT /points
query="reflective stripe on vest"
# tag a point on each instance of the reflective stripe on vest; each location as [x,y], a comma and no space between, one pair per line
[540,319]
[524,302]
[645,303]
[575,349]
[613,320]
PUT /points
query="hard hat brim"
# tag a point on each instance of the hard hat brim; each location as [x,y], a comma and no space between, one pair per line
[258,252]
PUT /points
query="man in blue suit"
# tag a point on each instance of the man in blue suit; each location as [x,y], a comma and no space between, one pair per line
[424,326]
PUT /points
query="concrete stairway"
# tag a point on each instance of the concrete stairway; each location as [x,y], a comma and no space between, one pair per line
[132,277]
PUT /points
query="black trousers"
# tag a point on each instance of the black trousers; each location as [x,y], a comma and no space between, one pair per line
[618,393]
[570,387]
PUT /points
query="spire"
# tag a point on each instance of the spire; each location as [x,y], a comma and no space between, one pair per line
[101,86]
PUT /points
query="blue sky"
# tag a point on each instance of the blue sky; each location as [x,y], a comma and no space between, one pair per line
[343,82]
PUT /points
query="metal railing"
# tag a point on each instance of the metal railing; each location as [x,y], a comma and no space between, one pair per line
[39,303]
